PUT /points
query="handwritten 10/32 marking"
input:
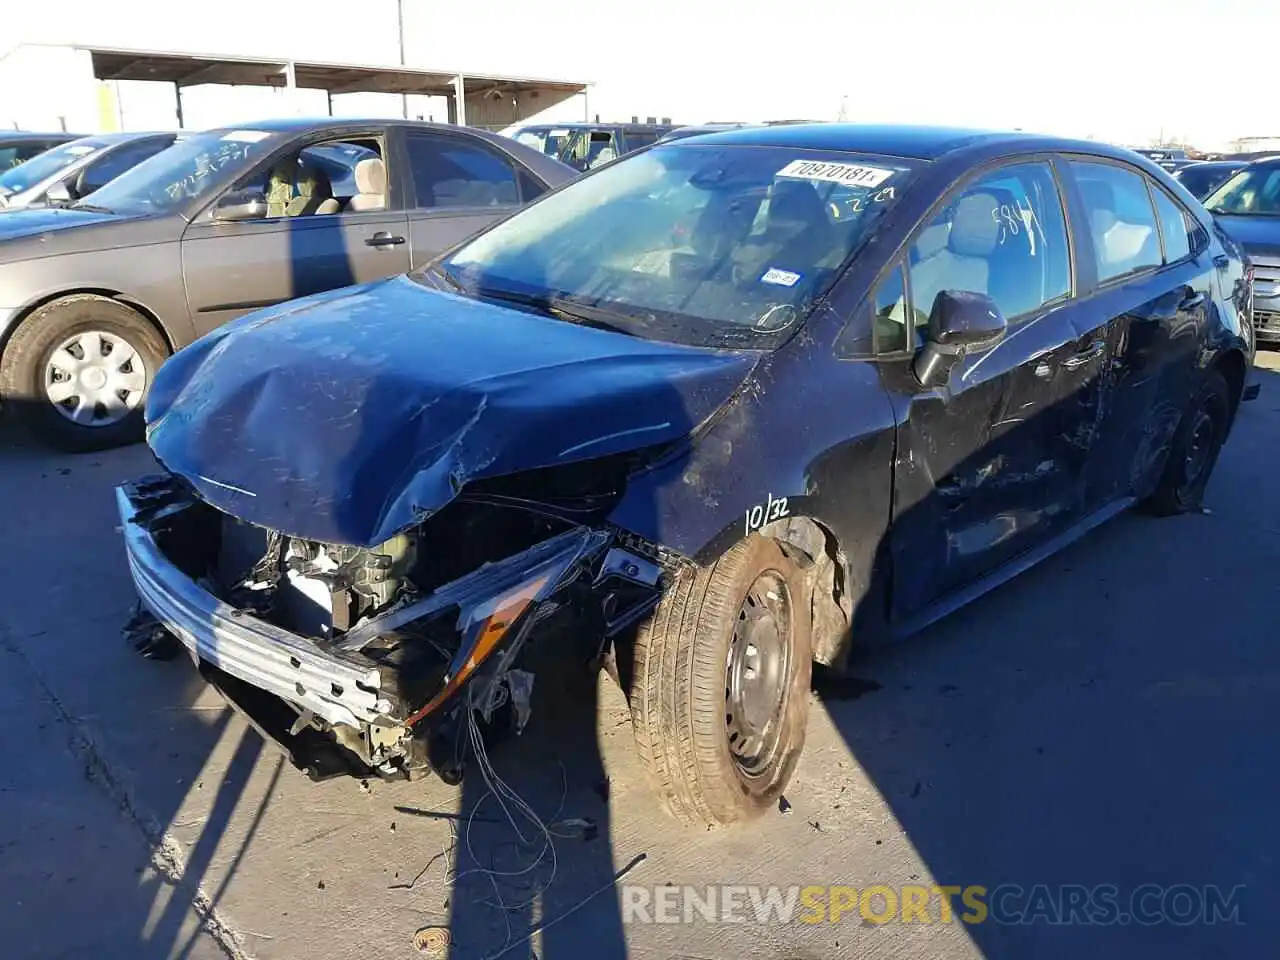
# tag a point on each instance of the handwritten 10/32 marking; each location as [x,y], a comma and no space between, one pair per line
[762,513]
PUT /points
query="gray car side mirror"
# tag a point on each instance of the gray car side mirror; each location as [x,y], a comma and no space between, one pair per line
[960,323]
[240,205]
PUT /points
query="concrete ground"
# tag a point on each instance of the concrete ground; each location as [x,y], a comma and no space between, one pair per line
[1108,718]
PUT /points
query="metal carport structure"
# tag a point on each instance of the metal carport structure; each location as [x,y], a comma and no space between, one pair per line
[468,93]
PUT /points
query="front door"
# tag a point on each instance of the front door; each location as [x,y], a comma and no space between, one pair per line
[993,464]
[312,239]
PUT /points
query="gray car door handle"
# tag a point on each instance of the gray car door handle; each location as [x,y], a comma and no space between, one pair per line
[383,239]
[1084,356]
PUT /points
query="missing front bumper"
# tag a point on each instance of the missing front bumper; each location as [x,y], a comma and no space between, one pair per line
[327,704]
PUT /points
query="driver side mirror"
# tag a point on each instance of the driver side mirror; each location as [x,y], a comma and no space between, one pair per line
[960,323]
[240,205]
[58,195]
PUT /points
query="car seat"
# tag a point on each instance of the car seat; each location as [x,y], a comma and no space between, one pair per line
[315,194]
[962,264]
[371,184]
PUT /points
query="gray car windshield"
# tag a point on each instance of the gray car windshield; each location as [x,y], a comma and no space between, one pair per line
[1253,192]
[188,170]
[45,165]
[699,244]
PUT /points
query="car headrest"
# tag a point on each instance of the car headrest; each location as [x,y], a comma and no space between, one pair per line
[371,176]
[313,182]
[975,228]
[794,201]
[1100,199]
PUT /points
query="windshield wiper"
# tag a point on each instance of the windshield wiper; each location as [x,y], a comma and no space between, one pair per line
[90,208]
[438,269]
[565,308]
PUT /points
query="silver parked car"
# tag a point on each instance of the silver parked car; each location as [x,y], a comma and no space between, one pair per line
[74,170]
[94,296]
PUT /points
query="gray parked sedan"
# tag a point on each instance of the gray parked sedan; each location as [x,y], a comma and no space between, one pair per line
[94,297]
[74,170]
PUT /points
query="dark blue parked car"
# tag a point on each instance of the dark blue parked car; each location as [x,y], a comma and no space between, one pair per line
[718,410]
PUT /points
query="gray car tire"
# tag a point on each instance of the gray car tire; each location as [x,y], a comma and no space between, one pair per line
[26,360]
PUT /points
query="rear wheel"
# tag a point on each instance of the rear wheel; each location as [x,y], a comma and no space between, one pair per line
[77,371]
[1194,451]
[721,685]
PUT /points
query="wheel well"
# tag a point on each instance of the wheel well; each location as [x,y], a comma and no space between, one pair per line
[1232,367]
[141,309]
[815,548]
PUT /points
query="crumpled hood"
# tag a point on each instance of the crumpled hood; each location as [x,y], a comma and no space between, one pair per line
[348,416]
[1260,236]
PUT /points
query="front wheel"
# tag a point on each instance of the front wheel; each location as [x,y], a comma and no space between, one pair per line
[720,690]
[1194,451]
[77,371]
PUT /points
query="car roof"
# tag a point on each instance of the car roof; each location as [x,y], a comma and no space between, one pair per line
[914,142]
[26,136]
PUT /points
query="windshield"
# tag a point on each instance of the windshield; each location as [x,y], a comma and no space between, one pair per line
[1253,192]
[550,140]
[186,171]
[698,244]
[46,164]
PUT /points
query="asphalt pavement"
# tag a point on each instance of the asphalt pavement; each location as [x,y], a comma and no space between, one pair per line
[1107,721]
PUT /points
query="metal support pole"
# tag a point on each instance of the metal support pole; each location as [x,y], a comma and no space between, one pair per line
[329,96]
[404,97]
[177,96]
[460,95]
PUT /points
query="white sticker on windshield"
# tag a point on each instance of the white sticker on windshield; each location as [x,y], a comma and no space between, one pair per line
[80,151]
[558,133]
[852,174]
[781,278]
[246,136]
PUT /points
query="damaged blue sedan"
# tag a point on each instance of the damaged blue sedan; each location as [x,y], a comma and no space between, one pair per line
[714,412]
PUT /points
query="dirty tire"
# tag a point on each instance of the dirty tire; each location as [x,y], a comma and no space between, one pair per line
[1198,440]
[680,686]
[23,363]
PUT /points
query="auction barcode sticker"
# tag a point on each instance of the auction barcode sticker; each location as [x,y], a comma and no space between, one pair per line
[851,174]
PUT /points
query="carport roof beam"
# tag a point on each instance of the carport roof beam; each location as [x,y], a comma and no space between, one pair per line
[186,69]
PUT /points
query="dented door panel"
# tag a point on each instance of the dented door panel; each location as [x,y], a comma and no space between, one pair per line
[989,467]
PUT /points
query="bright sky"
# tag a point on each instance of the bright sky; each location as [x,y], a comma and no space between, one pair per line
[1121,70]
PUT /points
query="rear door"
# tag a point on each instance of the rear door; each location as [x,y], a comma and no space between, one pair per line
[456,185]
[231,268]
[1148,275]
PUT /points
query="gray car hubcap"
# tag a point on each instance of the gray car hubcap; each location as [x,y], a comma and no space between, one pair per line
[95,378]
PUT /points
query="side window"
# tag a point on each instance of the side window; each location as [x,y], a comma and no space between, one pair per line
[335,176]
[448,172]
[101,172]
[1174,226]
[591,148]
[1121,220]
[530,187]
[889,319]
[1004,235]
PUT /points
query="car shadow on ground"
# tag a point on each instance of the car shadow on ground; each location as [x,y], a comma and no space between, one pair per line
[1115,737]
[1056,751]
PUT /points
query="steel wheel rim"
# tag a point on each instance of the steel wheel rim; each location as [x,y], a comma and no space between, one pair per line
[757,666]
[95,379]
[1204,429]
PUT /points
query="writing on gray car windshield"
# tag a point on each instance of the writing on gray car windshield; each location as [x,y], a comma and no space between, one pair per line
[700,244]
[187,171]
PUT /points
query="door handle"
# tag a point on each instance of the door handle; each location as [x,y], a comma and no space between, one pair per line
[383,239]
[1084,356]
[1222,261]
